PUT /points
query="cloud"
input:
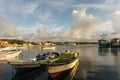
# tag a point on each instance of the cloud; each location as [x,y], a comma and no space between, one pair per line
[82,28]
[105,27]
[116,21]
[83,24]
[6,30]
[109,1]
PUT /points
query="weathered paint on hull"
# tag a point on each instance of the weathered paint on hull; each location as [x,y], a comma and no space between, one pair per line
[57,70]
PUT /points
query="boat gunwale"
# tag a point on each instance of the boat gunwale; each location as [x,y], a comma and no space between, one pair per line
[61,63]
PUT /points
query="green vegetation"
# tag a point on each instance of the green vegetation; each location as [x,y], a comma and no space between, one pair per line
[71,43]
[13,41]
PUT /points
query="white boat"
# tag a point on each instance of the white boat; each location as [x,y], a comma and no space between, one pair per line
[48,47]
[22,47]
[9,54]
[58,65]
[8,48]
[21,65]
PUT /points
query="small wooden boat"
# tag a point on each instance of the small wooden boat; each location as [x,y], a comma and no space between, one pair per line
[48,47]
[22,47]
[23,65]
[63,63]
[9,54]
[8,49]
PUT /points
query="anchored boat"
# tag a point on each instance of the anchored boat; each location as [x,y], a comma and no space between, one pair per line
[63,63]
[103,43]
[48,47]
[22,65]
[6,55]
[115,42]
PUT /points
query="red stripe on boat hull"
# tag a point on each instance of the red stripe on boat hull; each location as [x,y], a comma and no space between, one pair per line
[55,74]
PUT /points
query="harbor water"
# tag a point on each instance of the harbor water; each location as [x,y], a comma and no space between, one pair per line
[94,64]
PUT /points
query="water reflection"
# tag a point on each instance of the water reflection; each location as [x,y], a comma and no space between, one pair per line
[103,51]
[115,51]
[95,64]
[88,70]
[31,74]
[6,72]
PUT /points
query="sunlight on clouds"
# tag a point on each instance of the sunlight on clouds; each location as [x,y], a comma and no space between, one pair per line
[116,22]
[56,19]
[83,24]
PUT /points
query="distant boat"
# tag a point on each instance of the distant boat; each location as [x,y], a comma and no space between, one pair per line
[103,43]
[22,47]
[115,42]
[48,47]
[8,48]
[6,55]
[61,64]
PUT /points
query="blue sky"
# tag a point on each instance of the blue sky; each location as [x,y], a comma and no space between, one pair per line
[58,19]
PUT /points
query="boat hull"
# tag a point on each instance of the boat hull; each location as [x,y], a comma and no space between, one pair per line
[49,48]
[103,44]
[115,43]
[24,65]
[12,55]
[58,69]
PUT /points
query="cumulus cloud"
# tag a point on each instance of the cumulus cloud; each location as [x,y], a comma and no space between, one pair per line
[6,30]
[82,28]
[104,28]
[83,24]
[116,22]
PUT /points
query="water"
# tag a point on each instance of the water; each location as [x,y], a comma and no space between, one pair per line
[94,64]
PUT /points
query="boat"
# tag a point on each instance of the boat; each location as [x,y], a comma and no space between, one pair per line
[67,75]
[24,65]
[6,55]
[8,48]
[64,62]
[22,47]
[103,43]
[115,42]
[48,47]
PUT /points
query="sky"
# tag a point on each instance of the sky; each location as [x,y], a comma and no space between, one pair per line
[60,20]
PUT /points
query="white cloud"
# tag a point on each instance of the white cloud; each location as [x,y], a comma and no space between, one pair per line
[83,25]
[116,22]
[109,1]
[81,14]
[6,30]
[45,16]
[19,6]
